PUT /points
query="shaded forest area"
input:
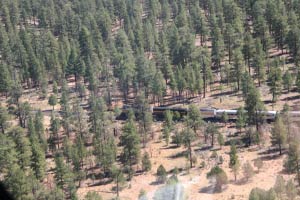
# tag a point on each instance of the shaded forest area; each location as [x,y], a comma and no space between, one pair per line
[135,51]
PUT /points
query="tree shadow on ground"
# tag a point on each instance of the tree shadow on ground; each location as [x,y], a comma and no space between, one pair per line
[268,151]
[271,157]
[102,182]
[204,148]
[239,181]
[208,189]
[291,98]
[232,93]
[179,155]
[156,183]
[171,147]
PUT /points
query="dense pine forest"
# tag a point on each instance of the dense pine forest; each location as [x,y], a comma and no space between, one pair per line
[68,66]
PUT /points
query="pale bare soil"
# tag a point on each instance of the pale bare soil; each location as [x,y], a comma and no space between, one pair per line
[196,185]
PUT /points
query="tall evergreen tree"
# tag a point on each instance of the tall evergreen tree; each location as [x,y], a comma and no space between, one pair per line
[130,141]
[194,119]
[188,137]
[275,82]
[5,79]
[279,134]
[3,119]
[234,162]
[253,106]
[38,160]
[239,66]
[23,146]
[259,62]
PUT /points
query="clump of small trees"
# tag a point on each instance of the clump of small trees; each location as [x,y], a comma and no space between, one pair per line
[161,174]
[281,190]
[219,176]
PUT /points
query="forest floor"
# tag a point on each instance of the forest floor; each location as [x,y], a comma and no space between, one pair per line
[196,185]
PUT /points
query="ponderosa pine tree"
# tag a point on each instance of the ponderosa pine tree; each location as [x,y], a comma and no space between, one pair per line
[23,113]
[8,153]
[217,53]
[124,62]
[166,134]
[52,101]
[221,140]
[17,181]
[5,79]
[261,31]
[239,66]
[23,146]
[145,73]
[280,25]
[246,84]
[188,136]
[55,125]
[66,110]
[293,42]
[229,40]
[3,119]
[193,118]
[60,170]
[224,118]
[241,118]
[253,106]
[130,141]
[118,178]
[292,163]
[234,162]
[287,81]
[199,23]
[79,119]
[203,58]
[38,159]
[259,62]
[168,119]
[212,131]
[144,117]
[81,150]
[248,49]
[106,153]
[275,77]
[158,87]
[40,129]
[279,134]
[85,43]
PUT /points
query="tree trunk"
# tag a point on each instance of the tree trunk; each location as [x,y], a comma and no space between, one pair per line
[298,173]
[190,152]
[117,187]
[204,86]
